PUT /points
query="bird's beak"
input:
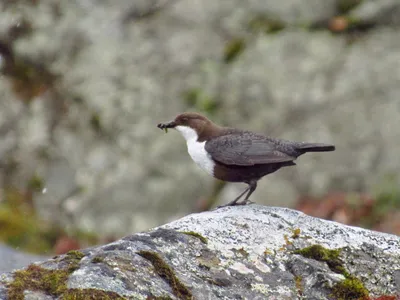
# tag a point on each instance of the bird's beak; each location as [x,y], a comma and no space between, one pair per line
[165,126]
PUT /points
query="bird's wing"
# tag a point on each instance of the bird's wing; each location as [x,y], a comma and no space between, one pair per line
[245,149]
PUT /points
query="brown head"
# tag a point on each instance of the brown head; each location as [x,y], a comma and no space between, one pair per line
[190,122]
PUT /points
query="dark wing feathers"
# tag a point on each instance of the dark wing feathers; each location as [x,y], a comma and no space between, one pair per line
[245,149]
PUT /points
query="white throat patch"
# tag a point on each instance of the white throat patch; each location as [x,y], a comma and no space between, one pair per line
[196,149]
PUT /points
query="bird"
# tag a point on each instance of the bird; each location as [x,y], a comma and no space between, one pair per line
[236,155]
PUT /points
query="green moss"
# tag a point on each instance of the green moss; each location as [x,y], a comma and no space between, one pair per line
[72,258]
[233,49]
[265,24]
[90,294]
[287,244]
[331,257]
[167,273]
[196,235]
[296,233]
[36,278]
[268,252]
[350,289]
[97,260]
[299,285]
[54,282]
[75,254]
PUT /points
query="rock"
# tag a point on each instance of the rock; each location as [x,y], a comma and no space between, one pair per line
[249,252]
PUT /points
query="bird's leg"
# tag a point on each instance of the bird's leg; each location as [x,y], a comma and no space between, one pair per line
[232,203]
[252,188]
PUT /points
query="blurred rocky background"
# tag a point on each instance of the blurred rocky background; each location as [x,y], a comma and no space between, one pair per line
[84,83]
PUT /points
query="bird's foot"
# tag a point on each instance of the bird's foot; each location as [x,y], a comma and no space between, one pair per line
[244,202]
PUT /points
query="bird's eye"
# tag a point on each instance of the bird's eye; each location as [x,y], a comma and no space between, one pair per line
[185,119]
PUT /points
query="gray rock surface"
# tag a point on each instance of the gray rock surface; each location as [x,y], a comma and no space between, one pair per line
[237,253]
[120,67]
[11,259]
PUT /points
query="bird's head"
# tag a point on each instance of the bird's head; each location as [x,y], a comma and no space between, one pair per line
[190,125]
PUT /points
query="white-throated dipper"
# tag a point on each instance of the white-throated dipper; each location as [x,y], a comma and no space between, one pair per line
[236,155]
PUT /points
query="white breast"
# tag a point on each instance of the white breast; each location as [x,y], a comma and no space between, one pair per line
[196,149]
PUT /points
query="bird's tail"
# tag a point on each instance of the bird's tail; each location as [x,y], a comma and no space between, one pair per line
[315,147]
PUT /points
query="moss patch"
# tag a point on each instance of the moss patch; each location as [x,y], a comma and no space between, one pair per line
[299,285]
[196,235]
[296,233]
[351,288]
[36,278]
[268,252]
[158,298]
[90,294]
[54,282]
[331,257]
[97,259]
[75,254]
[287,244]
[167,273]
